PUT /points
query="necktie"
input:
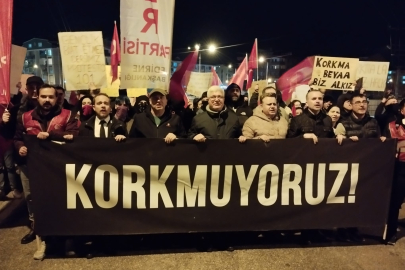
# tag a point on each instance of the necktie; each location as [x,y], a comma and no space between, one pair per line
[102,129]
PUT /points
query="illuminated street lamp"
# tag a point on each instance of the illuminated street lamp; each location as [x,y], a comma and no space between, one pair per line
[197,46]
[230,66]
[261,59]
[189,48]
[269,80]
[212,48]
[35,66]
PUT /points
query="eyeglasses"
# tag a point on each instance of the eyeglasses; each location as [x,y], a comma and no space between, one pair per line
[216,97]
[364,102]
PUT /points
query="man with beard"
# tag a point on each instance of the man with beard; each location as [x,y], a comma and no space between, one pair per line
[157,121]
[236,102]
[46,121]
[102,125]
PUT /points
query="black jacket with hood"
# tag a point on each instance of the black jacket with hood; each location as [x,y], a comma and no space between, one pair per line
[240,107]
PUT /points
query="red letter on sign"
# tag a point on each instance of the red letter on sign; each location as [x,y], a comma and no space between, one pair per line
[150,21]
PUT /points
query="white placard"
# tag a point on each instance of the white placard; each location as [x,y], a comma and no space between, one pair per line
[374,75]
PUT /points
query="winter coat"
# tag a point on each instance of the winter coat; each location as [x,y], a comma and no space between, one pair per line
[363,128]
[320,125]
[115,127]
[144,125]
[259,124]
[213,125]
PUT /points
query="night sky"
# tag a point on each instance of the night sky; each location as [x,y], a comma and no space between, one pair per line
[352,28]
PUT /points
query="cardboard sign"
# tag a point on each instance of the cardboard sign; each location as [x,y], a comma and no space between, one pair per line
[374,75]
[262,84]
[146,43]
[23,79]
[199,83]
[17,64]
[136,92]
[334,73]
[83,59]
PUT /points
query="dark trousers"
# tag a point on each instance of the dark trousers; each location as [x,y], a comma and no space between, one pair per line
[397,197]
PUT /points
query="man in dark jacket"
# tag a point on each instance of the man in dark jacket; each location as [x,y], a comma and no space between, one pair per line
[217,122]
[359,124]
[386,112]
[29,102]
[61,98]
[48,121]
[313,123]
[236,102]
[157,121]
[102,125]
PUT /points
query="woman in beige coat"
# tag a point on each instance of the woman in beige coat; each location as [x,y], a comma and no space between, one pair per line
[266,122]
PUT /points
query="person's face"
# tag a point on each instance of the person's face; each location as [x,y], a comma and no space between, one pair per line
[86,101]
[298,112]
[359,105]
[158,101]
[234,94]
[269,106]
[32,90]
[327,104]
[47,99]
[102,107]
[347,105]
[61,96]
[297,104]
[334,113]
[117,105]
[315,100]
[216,101]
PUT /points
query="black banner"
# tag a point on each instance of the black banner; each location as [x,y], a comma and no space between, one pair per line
[141,186]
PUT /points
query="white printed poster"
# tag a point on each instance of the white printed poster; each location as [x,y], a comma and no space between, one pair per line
[146,43]
[83,59]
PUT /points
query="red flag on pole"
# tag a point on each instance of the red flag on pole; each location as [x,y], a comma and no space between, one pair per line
[215,78]
[253,58]
[300,74]
[241,73]
[115,54]
[6,21]
[182,74]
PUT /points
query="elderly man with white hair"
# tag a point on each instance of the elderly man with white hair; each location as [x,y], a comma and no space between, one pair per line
[216,122]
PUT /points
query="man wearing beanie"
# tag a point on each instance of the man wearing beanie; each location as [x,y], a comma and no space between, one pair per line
[235,101]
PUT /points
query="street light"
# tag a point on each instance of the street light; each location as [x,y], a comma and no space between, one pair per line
[189,48]
[269,80]
[35,66]
[212,48]
[261,59]
[197,46]
[230,66]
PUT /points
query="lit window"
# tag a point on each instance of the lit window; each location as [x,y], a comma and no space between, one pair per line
[39,44]
[390,72]
[30,45]
[403,82]
[175,64]
[50,52]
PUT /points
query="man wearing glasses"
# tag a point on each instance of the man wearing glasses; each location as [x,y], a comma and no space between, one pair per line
[217,122]
[359,124]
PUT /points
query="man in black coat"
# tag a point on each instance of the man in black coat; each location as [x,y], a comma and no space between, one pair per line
[157,121]
[102,125]
[235,101]
[217,122]
[313,123]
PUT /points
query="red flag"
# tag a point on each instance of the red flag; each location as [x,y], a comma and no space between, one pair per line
[240,75]
[253,58]
[180,76]
[6,21]
[115,54]
[250,79]
[300,74]
[215,78]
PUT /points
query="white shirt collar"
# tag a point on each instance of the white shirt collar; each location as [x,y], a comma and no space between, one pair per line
[98,120]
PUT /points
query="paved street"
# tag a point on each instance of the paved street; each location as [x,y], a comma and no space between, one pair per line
[179,252]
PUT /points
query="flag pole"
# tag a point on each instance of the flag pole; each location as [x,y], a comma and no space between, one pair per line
[257,60]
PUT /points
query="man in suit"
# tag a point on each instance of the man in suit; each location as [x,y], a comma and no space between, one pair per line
[102,125]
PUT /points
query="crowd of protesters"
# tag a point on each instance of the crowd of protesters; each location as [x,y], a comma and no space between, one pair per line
[42,110]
